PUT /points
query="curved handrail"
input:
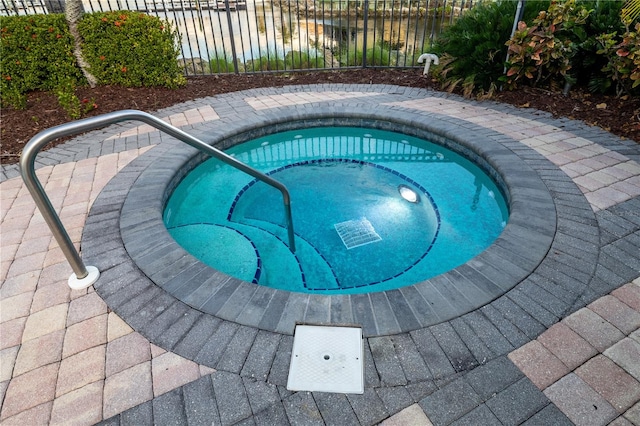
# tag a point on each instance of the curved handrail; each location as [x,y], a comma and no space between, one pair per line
[27,171]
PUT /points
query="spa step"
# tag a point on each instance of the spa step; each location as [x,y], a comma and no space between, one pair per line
[317,272]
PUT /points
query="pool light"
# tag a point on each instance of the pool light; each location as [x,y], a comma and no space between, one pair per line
[408,194]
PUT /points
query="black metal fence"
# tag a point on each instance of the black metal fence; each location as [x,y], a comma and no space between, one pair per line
[248,36]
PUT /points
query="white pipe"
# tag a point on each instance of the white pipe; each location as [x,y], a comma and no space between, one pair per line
[428,58]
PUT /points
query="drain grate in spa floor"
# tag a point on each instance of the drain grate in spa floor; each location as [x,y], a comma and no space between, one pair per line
[327,359]
[356,233]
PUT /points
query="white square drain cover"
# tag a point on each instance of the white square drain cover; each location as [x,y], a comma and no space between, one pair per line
[327,359]
[356,233]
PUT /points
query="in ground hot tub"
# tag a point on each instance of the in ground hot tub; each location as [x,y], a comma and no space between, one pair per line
[235,294]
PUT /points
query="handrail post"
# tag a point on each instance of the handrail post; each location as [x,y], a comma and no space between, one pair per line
[85,276]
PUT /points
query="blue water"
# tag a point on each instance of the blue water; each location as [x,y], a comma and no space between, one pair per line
[354,231]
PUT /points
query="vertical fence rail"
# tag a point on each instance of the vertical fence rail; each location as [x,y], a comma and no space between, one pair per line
[249,36]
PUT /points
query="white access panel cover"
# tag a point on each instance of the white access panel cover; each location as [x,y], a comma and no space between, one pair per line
[327,359]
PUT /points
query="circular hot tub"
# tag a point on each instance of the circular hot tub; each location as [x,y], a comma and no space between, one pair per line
[520,243]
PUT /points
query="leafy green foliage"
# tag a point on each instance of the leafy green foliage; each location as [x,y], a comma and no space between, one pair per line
[70,102]
[131,49]
[37,54]
[623,64]
[221,63]
[377,56]
[587,63]
[543,52]
[303,60]
[269,61]
[473,51]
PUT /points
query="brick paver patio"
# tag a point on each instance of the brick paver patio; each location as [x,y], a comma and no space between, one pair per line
[550,352]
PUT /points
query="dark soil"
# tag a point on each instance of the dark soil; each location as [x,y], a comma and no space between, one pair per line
[620,116]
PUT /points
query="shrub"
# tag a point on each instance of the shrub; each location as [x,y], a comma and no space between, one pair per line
[303,60]
[131,49]
[377,56]
[266,62]
[543,52]
[587,64]
[37,54]
[623,64]
[473,49]
[221,63]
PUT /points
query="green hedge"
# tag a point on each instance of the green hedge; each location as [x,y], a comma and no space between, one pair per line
[122,48]
[37,54]
[131,49]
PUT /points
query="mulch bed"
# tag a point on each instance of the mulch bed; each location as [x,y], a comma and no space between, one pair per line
[620,116]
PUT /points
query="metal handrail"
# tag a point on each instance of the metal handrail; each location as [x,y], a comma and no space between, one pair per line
[84,276]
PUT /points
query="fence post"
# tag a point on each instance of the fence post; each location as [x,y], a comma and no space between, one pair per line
[233,40]
[366,30]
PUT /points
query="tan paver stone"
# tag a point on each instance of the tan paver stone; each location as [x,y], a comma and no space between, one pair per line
[633,414]
[603,177]
[126,352]
[26,264]
[627,187]
[84,335]
[76,294]
[30,390]
[617,313]
[45,321]
[635,336]
[588,182]
[170,371]
[610,381]
[11,236]
[17,218]
[626,353]
[81,369]
[567,345]
[593,328]
[127,389]
[34,246]
[15,307]
[54,257]
[80,407]
[156,351]
[629,294]
[3,389]
[37,228]
[116,327]
[205,371]
[50,295]
[7,361]
[24,283]
[541,366]
[412,415]
[40,351]
[85,307]
[4,268]
[579,402]
[606,197]
[8,253]
[11,332]
[55,273]
[618,171]
[34,416]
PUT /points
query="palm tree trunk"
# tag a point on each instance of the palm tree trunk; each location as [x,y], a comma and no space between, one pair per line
[73,12]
